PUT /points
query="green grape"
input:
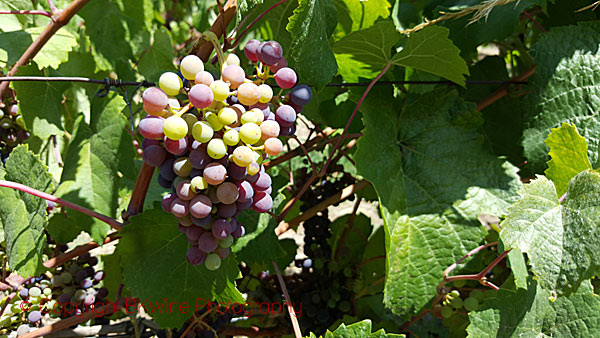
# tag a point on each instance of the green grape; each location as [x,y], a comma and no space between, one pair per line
[454,294]
[319,263]
[243,156]
[250,117]
[170,83]
[457,303]
[220,90]
[182,167]
[250,133]
[227,116]
[447,312]
[190,66]
[460,283]
[232,59]
[260,116]
[477,294]
[212,262]
[175,128]
[226,242]
[66,277]
[266,93]
[345,306]
[190,119]
[47,292]
[253,168]
[20,122]
[471,304]
[199,183]
[202,131]
[35,292]
[231,137]
[331,303]
[214,121]
[216,148]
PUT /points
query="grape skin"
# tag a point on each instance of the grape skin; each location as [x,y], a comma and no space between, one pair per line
[152,127]
[286,78]
[155,101]
[227,193]
[233,74]
[190,66]
[200,206]
[154,155]
[248,94]
[201,96]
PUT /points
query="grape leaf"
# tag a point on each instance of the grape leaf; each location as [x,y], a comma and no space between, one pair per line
[356,330]
[530,313]
[41,122]
[12,46]
[434,176]
[159,58]
[564,89]
[14,22]
[569,155]
[561,241]
[90,176]
[518,267]
[56,50]
[362,14]
[23,215]
[244,7]
[155,268]
[310,55]
[430,50]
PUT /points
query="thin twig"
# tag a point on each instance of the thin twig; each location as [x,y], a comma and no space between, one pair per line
[76,252]
[535,22]
[32,12]
[69,79]
[108,220]
[288,300]
[204,48]
[503,91]
[56,151]
[312,165]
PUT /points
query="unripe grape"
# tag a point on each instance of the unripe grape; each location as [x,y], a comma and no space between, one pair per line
[190,66]
[175,128]
[213,120]
[182,167]
[273,146]
[253,168]
[266,93]
[212,262]
[447,312]
[232,59]
[216,148]
[220,90]
[471,304]
[155,101]
[231,137]
[250,133]
[227,116]
[202,131]
[170,83]
[249,117]
[242,156]
[234,75]
[248,93]
[199,183]
[204,78]
[226,242]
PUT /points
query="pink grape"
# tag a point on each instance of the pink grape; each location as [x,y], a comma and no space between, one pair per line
[226,210]
[193,233]
[233,74]
[215,173]
[154,155]
[207,242]
[286,78]
[204,78]
[200,206]
[245,190]
[273,146]
[285,115]
[250,49]
[201,96]
[263,181]
[270,52]
[195,256]
[262,202]
[154,101]
[221,229]
[184,190]
[152,127]
[269,129]
[282,63]
[176,147]
[248,93]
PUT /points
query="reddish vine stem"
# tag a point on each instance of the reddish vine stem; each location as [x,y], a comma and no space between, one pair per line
[241,35]
[203,48]
[10,297]
[310,145]
[535,22]
[290,306]
[374,258]
[136,204]
[56,151]
[108,220]
[76,252]
[312,165]
[503,91]
[37,45]
[32,12]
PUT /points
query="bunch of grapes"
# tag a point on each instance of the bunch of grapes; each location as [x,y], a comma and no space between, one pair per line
[12,129]
[210,143]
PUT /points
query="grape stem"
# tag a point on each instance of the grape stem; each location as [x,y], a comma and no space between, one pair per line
[108,220]
[32,12]
[212,38]
[288,300]
[76,252]
[8,299]
[37,45]
[535,22]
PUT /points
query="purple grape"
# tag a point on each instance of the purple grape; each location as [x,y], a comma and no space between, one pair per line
[288,131]
[200,206]
[64,298]
[226,210]
[236,172]
[271,52]
[102,293]
[286,78]
[195,144]
[285,115]
[296,107]
[92,261]
[244,205]
[267,191]
[221,228]
[182,228]
[234,224]
[154,155]
[152,127]
[239,232]
[179,207]
[245,190]
[166,202]
[89,271]
[250,49]
[262,202]
[202,222]
[184,190]
[99,275]
[81,275]
[301,95]
[195,256]
[24,293]
[282,63]
[176,147]
[163,182]
[34,316]
[258,55]
[251,178]
[86,283]
[263,181]
[194,232]
[50,205]
[166,170]
[199,158]
[146,142]
[207,242]
[223,252]
[195,172]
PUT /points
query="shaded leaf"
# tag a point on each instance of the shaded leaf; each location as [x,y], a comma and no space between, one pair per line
[56,50]
[158,58]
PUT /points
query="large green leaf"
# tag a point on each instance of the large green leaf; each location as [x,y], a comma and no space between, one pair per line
[12,46]
[14,22]
[159,58]
[23,215]
[530,313]
[430,50]
[361,14]
[569,155]
[310,55]
[40,103]
[357,330]
[564,89]
[244,7]
[56,50]
[434,175]
[155,268]
[561,241]
[90,176]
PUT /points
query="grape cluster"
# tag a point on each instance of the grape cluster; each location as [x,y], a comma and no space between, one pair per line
[210,151]
[75,284]
[12,130]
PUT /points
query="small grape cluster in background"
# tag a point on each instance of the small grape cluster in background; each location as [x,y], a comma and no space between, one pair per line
[67,291]
[12,129]
[211,141]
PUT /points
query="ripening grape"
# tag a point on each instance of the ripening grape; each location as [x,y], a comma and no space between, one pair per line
[154,101]
[269,129]
[152,127]
[253,168]
[166,202]
[233,74]
[227,193]
[301,95]
[176,147]
[34,316]
[250,49]
[215,173]
[204,78]
[263,181]
[200,206]
[182,167]
[199,183]
[166,170]
[199,158]
[190,119]
[270,52]
[242,156]
[220,90]
[232,59]
[250,133]
[262,202]
[35,292]
[226,210]
[231,137]
[207,242]
[226,242]
[286,78]
[179,207]
[260,117]
[195,256]
[221,228]
[285,115]
[239,232]
[248,93]
[216,148]
[190,66]
[184,190]
[266,93]
[202,131]
[273,146]
[170,83]
[213,120]
[175,128]
[154,155]
[201,96]
[457,303]
[227,116]
[245,190]
[282,63]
